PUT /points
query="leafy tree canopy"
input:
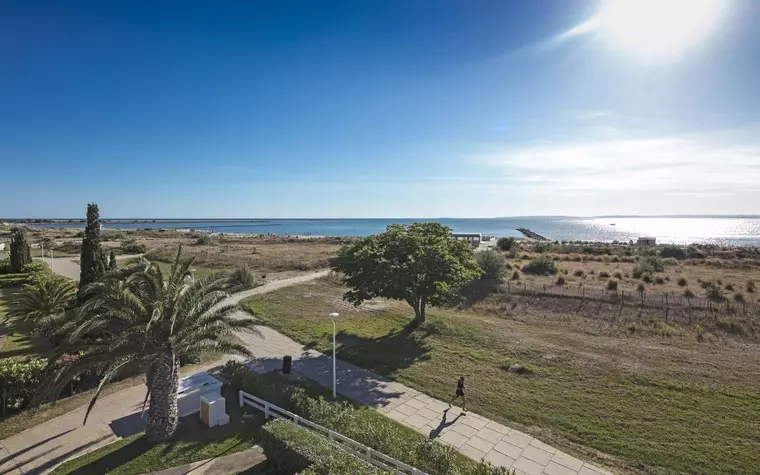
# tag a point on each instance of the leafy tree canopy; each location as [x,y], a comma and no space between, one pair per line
[420,264]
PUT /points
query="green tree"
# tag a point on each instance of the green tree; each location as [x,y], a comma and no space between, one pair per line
[112,261]
[136,315]
[92,265]
[45,302]
[20,252]
[420,264]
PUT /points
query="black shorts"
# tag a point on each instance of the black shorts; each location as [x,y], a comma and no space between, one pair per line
[460,392]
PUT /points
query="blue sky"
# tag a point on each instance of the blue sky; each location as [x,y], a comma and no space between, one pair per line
[376,109]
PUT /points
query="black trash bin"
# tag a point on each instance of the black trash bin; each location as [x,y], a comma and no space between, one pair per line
[287,364]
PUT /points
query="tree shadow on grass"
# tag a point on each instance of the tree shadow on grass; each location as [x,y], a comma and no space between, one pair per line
[385,355]
[477,291]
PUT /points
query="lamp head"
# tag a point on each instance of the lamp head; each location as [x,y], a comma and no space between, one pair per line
[333,315]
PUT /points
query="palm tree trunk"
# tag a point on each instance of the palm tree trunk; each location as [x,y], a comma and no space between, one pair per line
[162,413]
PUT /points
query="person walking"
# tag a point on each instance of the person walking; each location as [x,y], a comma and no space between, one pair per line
[460,393]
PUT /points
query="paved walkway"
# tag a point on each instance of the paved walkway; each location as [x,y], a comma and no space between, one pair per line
[473,435]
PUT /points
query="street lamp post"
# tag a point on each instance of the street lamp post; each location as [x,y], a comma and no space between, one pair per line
[333,316]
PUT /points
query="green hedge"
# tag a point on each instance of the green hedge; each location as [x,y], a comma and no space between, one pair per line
[291,449]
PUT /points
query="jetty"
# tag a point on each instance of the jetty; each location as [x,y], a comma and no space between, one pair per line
[530,234]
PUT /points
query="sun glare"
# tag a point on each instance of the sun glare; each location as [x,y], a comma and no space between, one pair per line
[656,29]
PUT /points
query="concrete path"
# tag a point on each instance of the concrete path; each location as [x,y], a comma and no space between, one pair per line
[473,435]
[239,462]
[66,266]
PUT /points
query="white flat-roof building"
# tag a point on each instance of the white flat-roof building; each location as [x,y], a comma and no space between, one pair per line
[473,238]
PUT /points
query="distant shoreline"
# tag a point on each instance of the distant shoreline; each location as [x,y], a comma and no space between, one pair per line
[254,220]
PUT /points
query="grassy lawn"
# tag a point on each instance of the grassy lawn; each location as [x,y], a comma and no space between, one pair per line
[193,442]
[643,403]
[19,342]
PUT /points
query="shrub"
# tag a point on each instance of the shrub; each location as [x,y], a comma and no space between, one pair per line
[615,259]
[486,468]
[675,252]
[618,275]
[242,278]
[604,274]
[19,379]
[560,280]
[682,282]
[612,284]
[506,243]
[204,240]
[739,297]
[579,273]
[542,265]
[291,449]
[491,263]
[714,293]
[591,272]
[5,267]
[641,288]
[730,287]
[516,275]
[541,247]
[700,332]
[751,286]
[647,278]
[688,294]
[565,271]
[719,282]
[130,246]
[659,280]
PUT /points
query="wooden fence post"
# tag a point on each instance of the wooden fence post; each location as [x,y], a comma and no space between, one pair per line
[667,308]
[688,301]
[622,302]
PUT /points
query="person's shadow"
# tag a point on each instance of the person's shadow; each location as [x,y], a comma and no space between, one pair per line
[443,424]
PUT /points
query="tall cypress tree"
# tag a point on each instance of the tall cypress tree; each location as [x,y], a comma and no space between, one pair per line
[112,261]
[21,253]
[91,260]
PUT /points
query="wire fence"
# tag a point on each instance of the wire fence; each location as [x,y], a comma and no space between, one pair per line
[669,306]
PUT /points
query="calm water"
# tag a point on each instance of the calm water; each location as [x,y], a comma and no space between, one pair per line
[681,230]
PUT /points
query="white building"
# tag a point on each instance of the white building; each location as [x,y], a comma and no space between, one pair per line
[473,238]
[647,241]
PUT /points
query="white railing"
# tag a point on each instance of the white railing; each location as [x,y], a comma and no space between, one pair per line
[362,451]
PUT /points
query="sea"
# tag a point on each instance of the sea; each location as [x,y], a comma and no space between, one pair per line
[737,231]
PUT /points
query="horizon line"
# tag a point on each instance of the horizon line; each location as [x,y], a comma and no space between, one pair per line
[190,219]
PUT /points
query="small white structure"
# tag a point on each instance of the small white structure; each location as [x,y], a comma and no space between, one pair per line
[647,241]
[473,238]
[192,388]
[213,410]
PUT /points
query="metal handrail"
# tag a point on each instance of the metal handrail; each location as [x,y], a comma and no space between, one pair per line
[368,454]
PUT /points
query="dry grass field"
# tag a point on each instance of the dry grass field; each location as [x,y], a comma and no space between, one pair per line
[643,401]
[265,254]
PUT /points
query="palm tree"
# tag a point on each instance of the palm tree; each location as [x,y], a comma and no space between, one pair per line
[136,315]
[45,302]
